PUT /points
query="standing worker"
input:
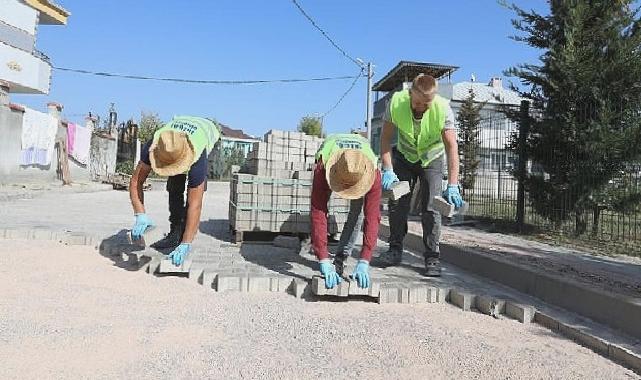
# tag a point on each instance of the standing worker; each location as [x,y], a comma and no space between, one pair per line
[179,150]
[346,165]
[426,130]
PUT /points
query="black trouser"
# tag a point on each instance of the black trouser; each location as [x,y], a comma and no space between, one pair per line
[430,178]
[177,205]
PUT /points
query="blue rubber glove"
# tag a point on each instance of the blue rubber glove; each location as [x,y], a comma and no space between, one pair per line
[140,226]
[361,274]
[329,272]
[453,196]
[389,177]
[179,254]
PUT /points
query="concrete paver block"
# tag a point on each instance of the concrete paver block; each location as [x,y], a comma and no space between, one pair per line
[167,267]
[373,290]
[153,265]
[432,294]
[520,312]
[389,295]
[39,234]
[490,305]
[231,283]
[319,289]
[17,234]
[75,239]
[462,299]
[300,288]
[625,357]
[418,294]
[196,274]
[397,191]
[404,294]
[443,295]
[208,279]
[259,284]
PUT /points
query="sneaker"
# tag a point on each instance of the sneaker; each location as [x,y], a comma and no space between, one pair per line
[432,267]
[171,240]
[389,259]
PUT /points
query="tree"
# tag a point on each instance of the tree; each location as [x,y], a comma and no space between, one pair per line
[469,118]
[586,96]
[149,123]
[311,125]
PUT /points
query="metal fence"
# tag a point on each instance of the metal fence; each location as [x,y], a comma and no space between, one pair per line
[584,207]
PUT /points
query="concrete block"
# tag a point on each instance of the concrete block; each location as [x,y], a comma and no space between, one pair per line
[404,294]
[595,344]
[196,274]
[390,295]
[319,289]
[231,283]
[167,267]
[447,210]
[418,294]
[462,299]
[208,279]
[39,234]
[75,238]
[153,265]
[291,242]
[490,305]
[373,290]
[397,191]
[17,234]
[443,295]
[522,313]
[300,288]
[259,284]
[625,357]
[546,321]
[432,294]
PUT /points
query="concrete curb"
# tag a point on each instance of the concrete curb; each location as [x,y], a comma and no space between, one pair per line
[622,313]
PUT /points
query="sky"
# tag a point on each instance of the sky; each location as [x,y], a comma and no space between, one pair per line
[263,39]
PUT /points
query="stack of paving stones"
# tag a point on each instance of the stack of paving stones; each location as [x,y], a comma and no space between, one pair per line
[272,192]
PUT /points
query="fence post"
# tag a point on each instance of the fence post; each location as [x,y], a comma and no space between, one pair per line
[524,131]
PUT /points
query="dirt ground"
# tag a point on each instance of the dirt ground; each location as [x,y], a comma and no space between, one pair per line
[67,312]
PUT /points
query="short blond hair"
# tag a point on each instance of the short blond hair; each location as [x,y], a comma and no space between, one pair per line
[425,84]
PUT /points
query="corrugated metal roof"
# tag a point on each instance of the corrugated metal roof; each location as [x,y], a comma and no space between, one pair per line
[406,71]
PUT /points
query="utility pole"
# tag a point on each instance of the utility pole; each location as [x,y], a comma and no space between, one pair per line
[368,117]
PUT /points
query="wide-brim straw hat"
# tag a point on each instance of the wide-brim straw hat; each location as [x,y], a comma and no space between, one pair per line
[171,154]
[350,173]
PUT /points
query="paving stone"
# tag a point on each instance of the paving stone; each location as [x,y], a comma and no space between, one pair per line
[397,191]
[74,238]
[230,283]
[490,305]
[418,294]
[404,294]
[42,234]
[373,290]
[461,299]
[259,284]
[389,295]
[625,357]
[153,265]
[432,294]
[443,295]
[300,288]
[522,313]
[208,279]
[18,234]
[167,267]
[196,273]
[319,289]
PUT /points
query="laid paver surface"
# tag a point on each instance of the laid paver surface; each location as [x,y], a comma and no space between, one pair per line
[65,312]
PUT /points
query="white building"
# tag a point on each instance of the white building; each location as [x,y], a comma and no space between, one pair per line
[23,68]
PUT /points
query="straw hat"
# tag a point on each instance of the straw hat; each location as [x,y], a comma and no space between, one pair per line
[171,154]
[350,174]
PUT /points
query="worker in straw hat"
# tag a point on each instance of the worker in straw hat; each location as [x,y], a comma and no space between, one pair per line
[179,151]
[346,165]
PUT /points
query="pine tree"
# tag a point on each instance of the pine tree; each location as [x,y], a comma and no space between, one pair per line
[469,118]
[586,97]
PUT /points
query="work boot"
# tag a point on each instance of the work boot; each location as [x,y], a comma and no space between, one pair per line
[390,258]
[171,240]
[339,264]
[432,267]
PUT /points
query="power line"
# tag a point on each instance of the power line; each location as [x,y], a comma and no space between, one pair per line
[203,81]
[309,18]
[349,89]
